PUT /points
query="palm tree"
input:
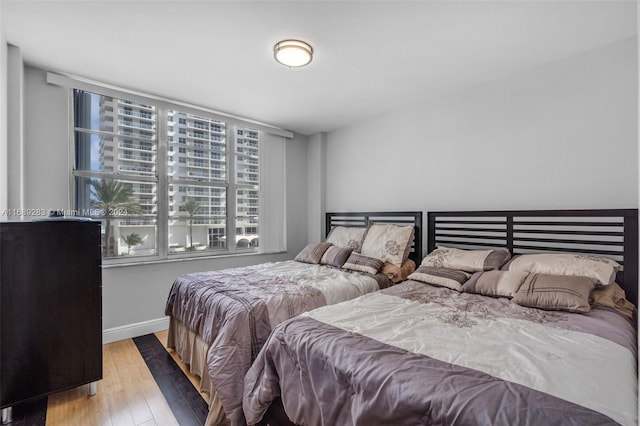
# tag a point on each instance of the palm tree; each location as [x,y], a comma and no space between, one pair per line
[132,240]
[192,207]
[109,197]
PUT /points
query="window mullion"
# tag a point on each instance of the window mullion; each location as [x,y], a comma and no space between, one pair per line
[72,199]
[162,191]
[231,187]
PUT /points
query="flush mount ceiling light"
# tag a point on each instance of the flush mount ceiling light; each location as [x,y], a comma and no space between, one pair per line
[293,53]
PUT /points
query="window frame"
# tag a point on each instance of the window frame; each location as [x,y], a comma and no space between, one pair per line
[163,106]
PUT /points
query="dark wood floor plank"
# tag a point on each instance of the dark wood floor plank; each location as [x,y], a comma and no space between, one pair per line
[185,401]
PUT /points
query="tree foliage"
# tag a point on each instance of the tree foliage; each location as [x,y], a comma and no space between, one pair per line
[132,240]
[112,198]
[192,207]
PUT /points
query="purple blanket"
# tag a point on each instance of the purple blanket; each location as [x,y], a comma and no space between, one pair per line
[416,354]
[234,310]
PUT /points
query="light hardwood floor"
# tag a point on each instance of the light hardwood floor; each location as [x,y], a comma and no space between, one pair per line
[127,395]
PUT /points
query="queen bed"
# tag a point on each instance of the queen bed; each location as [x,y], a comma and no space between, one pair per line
[219,320]
[538,339]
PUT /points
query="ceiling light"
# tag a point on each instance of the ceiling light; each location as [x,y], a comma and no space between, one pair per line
[293,53]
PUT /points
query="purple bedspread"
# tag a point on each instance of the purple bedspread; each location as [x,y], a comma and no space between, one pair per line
[234,310]
[419,355]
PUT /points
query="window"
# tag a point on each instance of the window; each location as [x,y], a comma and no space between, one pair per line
[211,203]
[202,187]
[120,189]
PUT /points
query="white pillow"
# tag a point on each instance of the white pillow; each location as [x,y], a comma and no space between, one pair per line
[579,265]
[466,260]
[389,243]
[346,237]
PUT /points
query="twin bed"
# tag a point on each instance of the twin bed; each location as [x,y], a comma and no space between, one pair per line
[219,320]
[418,353]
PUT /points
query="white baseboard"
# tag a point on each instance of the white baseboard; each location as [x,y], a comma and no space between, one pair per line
[134,330]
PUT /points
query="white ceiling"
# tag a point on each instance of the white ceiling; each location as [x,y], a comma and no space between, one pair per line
[371,57]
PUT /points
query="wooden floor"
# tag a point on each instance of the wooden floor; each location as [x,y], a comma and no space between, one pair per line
[127,395]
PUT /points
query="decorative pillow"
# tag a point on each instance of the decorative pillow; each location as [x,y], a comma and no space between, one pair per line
[312,253]
[396,274]
[444,277]
[555,292]
[358,262]
[389,243]
[347,237]
[335,256]
[495,283]
[466,260]
[612,296]
[600,269]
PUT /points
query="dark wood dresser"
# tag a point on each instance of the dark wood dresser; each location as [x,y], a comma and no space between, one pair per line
[50,308]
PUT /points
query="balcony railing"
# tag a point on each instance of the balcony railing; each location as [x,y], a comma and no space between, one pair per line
[196,155]
[198,174]
[141,169]
[135,125]
[198,136]
[145,115]
[126,102]
[142,191]
[198,165]
[136,146]
[145,158]
[199,145]
[136,135]
[198,126]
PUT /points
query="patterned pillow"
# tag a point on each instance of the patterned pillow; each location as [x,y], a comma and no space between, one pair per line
[358,262]
[598,268]
[495,283]
[335,256]
[466,260]
[346,237]
[443,277]
[555,292]
[312,253]
[389,243]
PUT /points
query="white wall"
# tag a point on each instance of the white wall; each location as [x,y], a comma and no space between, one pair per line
[315,186]
[559,136]
[131,294]
[3,118]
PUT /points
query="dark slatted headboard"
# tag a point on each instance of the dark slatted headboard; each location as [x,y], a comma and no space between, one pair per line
[363,219]
[607,233]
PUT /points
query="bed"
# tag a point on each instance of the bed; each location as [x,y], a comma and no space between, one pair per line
[418,353]
[219,320]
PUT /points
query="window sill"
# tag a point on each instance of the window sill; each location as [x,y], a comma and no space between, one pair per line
[186,259]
